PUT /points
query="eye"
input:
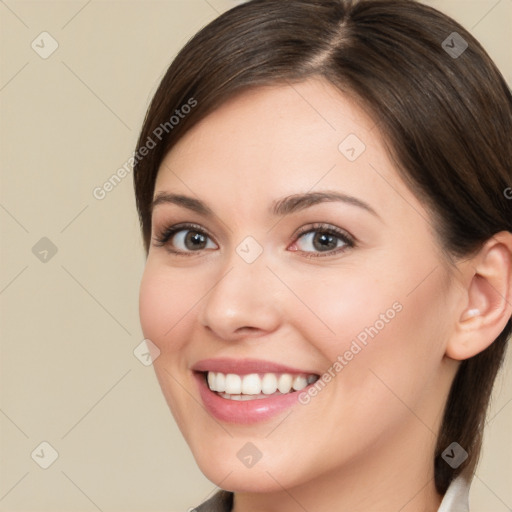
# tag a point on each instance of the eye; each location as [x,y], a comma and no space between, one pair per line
[183,239]
[322,240]
[316,240]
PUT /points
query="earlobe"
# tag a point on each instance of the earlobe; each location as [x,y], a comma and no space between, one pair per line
[488,292]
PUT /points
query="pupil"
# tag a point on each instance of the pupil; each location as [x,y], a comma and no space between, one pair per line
[196,239]
[326,241]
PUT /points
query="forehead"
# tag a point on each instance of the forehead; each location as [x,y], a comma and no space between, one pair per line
[280,140]
[273,121]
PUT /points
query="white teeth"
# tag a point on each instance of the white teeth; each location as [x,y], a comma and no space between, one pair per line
[251,384]
[243,398]
[233,384]
[254,385]
[284,384]
[269,384]
[212,384]
[220,382]
[299,383]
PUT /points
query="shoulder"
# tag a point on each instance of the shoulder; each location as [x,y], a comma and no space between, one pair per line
[222,501]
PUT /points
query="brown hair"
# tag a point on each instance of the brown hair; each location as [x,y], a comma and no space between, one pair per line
[447,120]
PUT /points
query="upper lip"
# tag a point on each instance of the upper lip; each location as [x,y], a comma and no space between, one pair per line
[245,366]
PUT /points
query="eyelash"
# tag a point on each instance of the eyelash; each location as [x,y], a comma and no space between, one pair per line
[162,238]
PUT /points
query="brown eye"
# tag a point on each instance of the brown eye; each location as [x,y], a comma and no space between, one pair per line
[183,239]
[322,240]
[193,240]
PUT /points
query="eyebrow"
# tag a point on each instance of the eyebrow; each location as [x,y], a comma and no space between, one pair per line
[285,206]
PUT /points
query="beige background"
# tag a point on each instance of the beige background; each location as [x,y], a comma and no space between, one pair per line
[69,325]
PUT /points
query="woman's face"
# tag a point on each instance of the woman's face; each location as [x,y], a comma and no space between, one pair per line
[277,285]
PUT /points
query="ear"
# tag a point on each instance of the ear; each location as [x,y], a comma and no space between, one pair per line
[487,304]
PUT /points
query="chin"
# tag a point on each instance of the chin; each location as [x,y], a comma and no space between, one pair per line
[222,462]
[241,479]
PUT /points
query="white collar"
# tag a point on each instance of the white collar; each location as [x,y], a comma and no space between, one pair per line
[456,498]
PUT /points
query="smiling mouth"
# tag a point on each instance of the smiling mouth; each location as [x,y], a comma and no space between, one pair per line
[256,386]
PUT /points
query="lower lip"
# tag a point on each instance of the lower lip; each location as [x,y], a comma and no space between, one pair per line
[246,411]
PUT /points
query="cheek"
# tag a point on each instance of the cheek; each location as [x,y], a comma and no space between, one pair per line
[372,325]
[164,302]
[399,343]
[341,306]
[165,309]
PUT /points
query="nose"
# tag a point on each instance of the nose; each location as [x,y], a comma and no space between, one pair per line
[243,301]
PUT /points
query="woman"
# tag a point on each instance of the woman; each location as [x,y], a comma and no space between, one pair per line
[322,190]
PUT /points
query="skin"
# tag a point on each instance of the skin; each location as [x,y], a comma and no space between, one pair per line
[366,441]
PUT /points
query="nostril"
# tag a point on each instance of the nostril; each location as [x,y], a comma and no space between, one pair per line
[245,329]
